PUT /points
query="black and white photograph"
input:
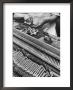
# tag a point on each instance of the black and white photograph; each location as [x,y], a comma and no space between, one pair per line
[36,44]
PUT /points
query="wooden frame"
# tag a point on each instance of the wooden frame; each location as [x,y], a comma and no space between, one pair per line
[1,32]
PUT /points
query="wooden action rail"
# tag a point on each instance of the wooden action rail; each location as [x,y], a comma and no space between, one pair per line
[50,50]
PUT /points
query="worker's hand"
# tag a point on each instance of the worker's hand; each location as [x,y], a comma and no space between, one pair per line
[38,20]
